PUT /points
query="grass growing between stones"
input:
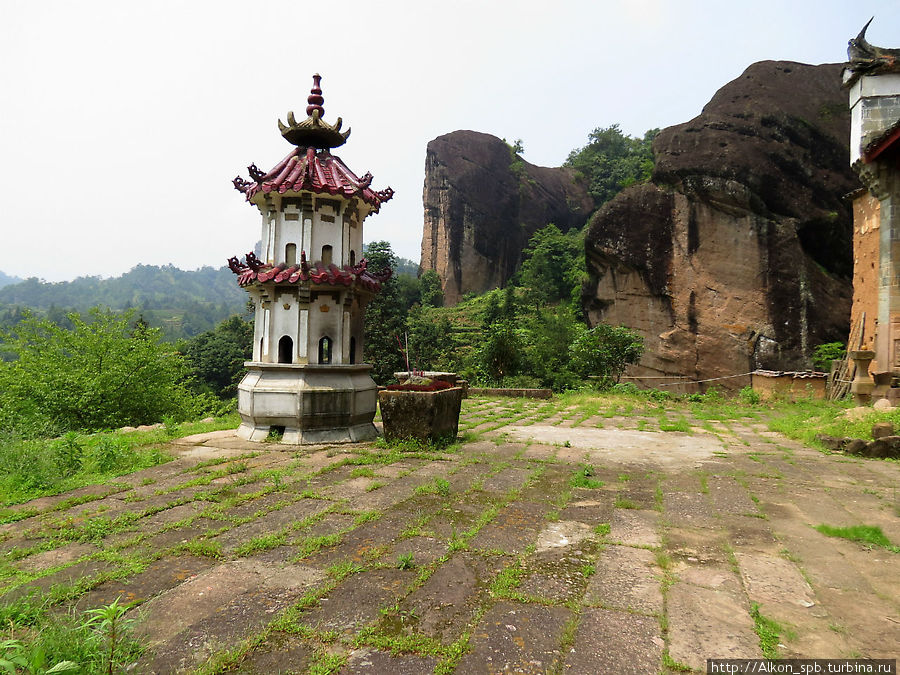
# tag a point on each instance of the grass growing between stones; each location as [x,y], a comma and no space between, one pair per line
[768,630]
[869,535]
[583,478]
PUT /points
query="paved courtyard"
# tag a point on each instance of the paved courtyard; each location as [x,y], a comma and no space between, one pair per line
[553,539]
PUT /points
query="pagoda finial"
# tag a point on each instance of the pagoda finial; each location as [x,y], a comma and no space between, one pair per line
[314,131]
[315,99]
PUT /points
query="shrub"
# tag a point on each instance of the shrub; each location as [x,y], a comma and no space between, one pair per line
[68,453]
[97,375]
[749,396]
[606,350]
[824,354]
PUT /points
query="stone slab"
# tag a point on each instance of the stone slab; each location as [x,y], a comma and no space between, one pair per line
[624,444]
[215,609]
[626,579]
[513,529]
[706,623]
[516,638]
[771,579]
[371,662]
[615,643]
[446,602]
[635,527]
[357,600]
[280,653]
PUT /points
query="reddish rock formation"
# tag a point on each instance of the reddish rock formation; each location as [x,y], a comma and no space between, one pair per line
[482,204]
[737,255]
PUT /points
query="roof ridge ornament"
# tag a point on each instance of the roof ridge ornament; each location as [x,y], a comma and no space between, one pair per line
[314,131]
[865,58]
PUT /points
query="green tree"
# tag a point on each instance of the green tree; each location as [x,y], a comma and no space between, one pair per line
[498,355]
[217,356]
[100,374]
[605,350]
[431,343]
[552,266]
[385,320]
[547,336]
[432,293]
[612,161]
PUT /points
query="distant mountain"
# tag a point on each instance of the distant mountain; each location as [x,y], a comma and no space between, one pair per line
[183,303]
[6,280]
[144,286]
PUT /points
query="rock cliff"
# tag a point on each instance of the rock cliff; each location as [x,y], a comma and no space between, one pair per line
[482,204]
[737,255]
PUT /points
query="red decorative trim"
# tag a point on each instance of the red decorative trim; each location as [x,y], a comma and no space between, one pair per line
[349,275]
[322,173]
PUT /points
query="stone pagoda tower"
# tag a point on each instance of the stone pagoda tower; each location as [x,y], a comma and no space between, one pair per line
[309,287]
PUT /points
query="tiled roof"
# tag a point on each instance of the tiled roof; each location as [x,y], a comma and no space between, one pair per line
[318,273]
[319,172]
[886,139]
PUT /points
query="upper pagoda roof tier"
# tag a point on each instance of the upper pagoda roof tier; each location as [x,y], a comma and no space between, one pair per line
[306,169]
[310,166]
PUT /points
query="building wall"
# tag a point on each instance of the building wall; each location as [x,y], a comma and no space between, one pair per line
[874,106]
[866,274]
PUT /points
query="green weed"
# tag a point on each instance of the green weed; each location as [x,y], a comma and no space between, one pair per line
[864,534]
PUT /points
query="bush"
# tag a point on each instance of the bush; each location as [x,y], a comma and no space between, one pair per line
[749,396]
[96,375]
[68,453]
[606,350]
[824,354]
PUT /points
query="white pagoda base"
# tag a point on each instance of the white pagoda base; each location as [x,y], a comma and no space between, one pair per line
[311,403]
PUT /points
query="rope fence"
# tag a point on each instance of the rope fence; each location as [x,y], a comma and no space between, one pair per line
[670,377]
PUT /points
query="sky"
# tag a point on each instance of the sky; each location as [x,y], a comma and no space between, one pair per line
[122,124]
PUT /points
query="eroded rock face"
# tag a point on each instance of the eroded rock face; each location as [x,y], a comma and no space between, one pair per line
[481,207]
[738,254]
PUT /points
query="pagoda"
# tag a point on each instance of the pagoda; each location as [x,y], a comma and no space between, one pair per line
[309,287]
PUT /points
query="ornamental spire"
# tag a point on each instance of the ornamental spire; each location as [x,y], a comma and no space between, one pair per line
[315,99]
[314,132]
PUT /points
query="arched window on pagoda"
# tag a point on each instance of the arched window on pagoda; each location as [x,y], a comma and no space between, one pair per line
[290,254]
[352,350]
[325,350]
[326,254]
[352,257]
[286,349]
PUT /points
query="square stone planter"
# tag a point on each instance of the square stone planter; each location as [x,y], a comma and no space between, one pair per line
[420,415]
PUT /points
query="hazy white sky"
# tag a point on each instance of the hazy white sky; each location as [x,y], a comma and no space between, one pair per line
[123,123]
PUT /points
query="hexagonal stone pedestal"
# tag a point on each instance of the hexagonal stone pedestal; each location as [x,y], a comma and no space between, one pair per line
[312,403]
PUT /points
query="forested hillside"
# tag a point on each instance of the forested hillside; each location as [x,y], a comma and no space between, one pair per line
[182,303]
[6,280]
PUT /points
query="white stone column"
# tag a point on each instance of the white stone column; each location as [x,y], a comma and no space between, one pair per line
[345,339]
[303,336]
[307,239]
[267,317]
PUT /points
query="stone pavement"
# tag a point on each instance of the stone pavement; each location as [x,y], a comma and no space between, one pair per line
[554,540]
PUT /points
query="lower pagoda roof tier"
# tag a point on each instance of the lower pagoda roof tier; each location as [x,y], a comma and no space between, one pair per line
[254,270]
[309,170]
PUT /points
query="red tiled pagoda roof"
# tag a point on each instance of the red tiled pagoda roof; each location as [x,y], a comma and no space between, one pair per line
[318,273]
[319,172]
